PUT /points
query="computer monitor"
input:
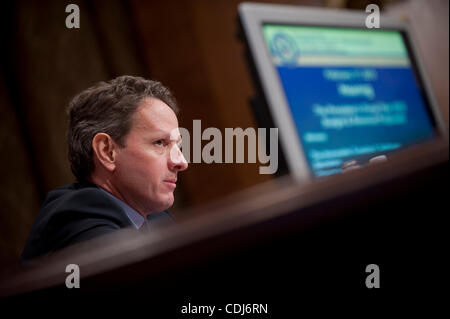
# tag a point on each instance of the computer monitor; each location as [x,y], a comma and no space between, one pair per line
[337,90]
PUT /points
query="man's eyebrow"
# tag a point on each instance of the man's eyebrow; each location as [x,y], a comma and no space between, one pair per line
[164,135]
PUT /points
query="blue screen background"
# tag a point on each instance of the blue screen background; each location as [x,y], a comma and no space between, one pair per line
[306,86]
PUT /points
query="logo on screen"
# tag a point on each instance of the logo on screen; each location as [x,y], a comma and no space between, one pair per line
[284,48]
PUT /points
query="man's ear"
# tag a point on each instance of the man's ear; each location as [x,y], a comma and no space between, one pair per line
[104,150]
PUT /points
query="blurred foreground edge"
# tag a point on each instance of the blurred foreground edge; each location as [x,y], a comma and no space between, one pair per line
[319,235]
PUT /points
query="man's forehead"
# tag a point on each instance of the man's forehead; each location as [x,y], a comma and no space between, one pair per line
[156,116]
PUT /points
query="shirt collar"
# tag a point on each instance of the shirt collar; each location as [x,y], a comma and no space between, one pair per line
[136,219]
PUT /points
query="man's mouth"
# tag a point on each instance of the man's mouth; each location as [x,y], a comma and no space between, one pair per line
[171,182]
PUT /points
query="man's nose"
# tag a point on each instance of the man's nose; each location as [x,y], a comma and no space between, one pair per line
[177,160]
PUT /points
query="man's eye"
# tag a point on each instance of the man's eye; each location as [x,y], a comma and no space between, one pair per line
[159,142]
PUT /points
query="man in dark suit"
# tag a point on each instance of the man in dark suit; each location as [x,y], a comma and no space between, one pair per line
[123,142]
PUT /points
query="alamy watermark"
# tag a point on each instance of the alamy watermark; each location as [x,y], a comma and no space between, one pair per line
[73,279]
[73,19]
[228,147]
[373,19]
[373,279]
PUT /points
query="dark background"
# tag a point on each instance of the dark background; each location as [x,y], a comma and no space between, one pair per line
[191,46]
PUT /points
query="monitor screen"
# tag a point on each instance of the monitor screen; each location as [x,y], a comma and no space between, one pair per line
[352,93]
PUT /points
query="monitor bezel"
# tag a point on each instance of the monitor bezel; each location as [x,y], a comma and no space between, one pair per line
[253,16]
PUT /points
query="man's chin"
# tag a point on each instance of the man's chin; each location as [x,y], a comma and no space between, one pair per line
[166,203]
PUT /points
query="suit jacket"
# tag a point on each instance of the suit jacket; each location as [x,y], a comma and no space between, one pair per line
[70,214]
